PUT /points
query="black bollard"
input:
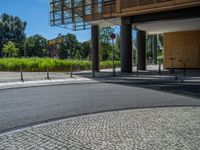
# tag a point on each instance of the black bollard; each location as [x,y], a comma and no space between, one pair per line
[159,68]
[21,73]
[176,77]
[48,77]
[78,68]
[184,70]
[137,71]
[93,73]
[71,73]
[114,70]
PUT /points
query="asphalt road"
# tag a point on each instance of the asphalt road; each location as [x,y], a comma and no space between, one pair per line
[27,106]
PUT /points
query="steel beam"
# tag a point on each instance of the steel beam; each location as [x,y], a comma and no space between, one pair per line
[95,48]
[126,48]
[141,50]
[155,48]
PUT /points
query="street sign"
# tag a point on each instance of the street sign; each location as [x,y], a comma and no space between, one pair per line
[113,36]
[60,40]
[52,42]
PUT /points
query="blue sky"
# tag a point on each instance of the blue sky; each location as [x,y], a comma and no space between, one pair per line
[36,14]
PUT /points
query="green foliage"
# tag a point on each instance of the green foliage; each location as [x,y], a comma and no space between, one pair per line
[36,46]
[9,50]
[149,45]
[105,43]
[160,41]
[40,64]
[117,47]
[11,29]
[160,54]
[74,49]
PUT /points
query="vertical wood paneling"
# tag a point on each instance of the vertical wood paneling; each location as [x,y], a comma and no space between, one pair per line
[182,47]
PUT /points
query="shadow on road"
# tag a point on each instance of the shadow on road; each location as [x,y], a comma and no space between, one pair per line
[186,86]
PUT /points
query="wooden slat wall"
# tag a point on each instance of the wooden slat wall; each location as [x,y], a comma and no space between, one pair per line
[123,8]
[182,47]
[135,7]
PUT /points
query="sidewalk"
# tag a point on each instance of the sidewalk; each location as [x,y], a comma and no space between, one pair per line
[19,84]
[153,128]
[33,79]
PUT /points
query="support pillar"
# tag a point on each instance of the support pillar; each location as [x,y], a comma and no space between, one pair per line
[155,48]
[95,48]
[141,50]
[126,48]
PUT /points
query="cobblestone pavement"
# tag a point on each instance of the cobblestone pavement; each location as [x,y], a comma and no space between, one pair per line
[153,128]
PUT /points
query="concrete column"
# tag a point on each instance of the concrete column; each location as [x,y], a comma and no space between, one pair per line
[95,47]
[155,45]
[126,48]
[141,50]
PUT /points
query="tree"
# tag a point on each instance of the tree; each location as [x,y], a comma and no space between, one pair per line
[72,44]
[9,50]
[117,47]
[11,29]
[36,46]
[149,47]
[86,49]
[160,41]
[105,45]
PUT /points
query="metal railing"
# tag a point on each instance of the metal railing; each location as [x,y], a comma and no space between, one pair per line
[75,14]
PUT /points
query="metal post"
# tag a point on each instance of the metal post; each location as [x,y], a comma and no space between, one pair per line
[159,68]
[71,73]
[21,73]
[184,71]
[78,67]
[48,77]
[172,62]
[176,77]
[93,72]
[113,58]
[137,71]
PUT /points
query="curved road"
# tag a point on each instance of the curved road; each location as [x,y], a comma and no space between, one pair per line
[27,106]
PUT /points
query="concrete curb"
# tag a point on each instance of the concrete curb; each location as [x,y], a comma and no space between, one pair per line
[40,83]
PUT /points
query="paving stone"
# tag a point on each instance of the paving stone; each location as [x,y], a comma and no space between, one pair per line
[140,129]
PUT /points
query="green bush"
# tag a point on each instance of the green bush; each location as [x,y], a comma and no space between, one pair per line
[41,64]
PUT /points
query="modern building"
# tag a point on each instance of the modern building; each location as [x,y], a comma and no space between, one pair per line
[178,20]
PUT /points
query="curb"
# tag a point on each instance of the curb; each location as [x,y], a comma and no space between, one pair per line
[41,83]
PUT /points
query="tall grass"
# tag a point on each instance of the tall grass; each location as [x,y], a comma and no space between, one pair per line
[41,64]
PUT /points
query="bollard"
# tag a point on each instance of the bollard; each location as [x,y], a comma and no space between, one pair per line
[176,77]
[21,73]
[78,68]
[159,68]
[71,73]
[114,70]
[184,70]
[93,73]
[182,80]
[137,71]
[48,77]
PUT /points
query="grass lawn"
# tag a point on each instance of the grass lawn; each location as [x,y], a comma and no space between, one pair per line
[41,64]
